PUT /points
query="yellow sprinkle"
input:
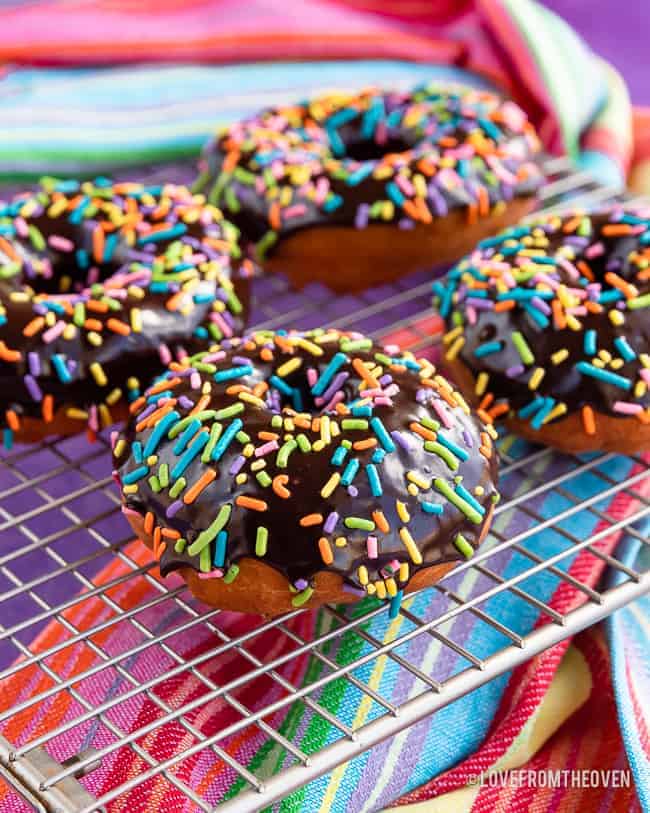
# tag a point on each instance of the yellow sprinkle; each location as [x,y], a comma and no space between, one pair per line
[560,356]
[314,349]
[481,383]
[573,323]
[362,573]
[598,363]
[391,586]
[330,485]
[448,338]
[136,320]
[420,481]
[411,547]
[325,433]
[536,378]
[76,414]
[605,355]
[94,338]
[114,396]
[402,511]
[381,589]
[616,364]
[371,589]
[152,460]
[455,349]
[412,489]
[318,445]
[560,409]
[248,450]
[135,292]
[492,432]
[334,429]
[640,389]
[645,359]
[132,489]
[462,403]
[119,447]
[241,478]
[69,332]
[50,319]
[105,415]
[98,374]
[479,491]
[616,317]
[252,399]
[258,465]
[340,541]
[288,367]
[404,570]
[132,383]
[289,425]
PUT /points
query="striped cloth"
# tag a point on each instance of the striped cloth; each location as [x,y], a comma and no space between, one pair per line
[79,120]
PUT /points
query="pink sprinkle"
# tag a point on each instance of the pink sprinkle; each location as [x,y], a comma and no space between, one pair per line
[338,397]
[165,354]
[55,331]
[470,312]
[60,243]
[195,381]
[645,375]
[594,250]
[221,322]
[372,547]
[442,413]
[571,270]
[627,408]
[113,436]
[213,574]
[312,376]
[93,418]
[271,446]
[295,211]
[22,228]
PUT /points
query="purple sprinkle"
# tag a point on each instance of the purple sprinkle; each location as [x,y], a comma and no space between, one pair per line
[355,591]
[402,440]
[301,584]
[145,412]
[330,522]
[405,223]
[333,388]
[361,217]
[241,360]
[34,363]
[479,304]
[540,305]
[514,371]
[237,463]
[385,379]
[33,388]
[468,439]
[185,402]
[353,491]
[174,508]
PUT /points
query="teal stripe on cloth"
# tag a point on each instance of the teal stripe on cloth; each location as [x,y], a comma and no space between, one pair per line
[79,122]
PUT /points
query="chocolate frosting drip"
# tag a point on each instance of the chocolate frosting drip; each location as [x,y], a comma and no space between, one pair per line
[577,292]
[332,492]
[375,157]
[101,284]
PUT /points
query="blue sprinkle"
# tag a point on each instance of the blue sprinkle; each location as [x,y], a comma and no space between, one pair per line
[160,430]
[431,507]
[339,456]
[159,236]
[58,362]
[186,435]
[610,296]
[395,604]
[604,375]
[281,385]
[360,174]
[537,316]
[465,494]
[373,479]
[338,360]
[233,372]
[378,456]
[7,438]
[83,260]
[487,348]
[135,475]
[220,548]
[531,407]
[362,411]
[460,453]
[110,246]
[226,439]
[332,202]
[382,435]
[193,451]
[350,472]
[547,408]
[394,193]
[136,451]
[627,353]
[590,345]
[78,213]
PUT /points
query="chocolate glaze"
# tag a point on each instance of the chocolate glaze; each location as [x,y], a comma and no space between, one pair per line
[50,246]
[291,548]
[623,254]
[353,160]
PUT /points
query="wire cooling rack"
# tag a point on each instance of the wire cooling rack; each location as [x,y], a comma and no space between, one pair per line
[60,526]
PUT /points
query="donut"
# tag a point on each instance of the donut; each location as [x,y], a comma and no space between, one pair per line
[288,469]
[359,190]
[101,285]
[548,328]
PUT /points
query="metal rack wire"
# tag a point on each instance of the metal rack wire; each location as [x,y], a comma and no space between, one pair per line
[60,524]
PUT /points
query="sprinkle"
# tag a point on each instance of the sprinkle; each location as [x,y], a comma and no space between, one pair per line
[411,547]
[206,536]
[251,503]
[325,549]
[463,546]
[455,499]
[522,347]
[359,524]
[329,487]
[604,375]
[382,435]
[261,540]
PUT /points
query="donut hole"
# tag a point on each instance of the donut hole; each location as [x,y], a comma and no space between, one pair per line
[370,150]
[302,398]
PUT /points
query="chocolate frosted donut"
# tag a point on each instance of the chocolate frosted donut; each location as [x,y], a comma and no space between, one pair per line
[357,190]
[549,327]
[100,287]
[288,469]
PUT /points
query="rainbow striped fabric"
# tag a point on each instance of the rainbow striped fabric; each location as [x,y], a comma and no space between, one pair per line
[88,119]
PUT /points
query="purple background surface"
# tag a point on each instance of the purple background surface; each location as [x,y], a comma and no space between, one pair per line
[619,31]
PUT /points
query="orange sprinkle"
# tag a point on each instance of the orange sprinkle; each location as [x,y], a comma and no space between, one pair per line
[365,374]
[422,431]
[250,502]
[235,389]
[325,551]
[171,533]
[485,451]
[315,425]
[230,161]
[411,210]
[616,229]
[504,305]
[96,307]
[266,354]
[423,210]
[93,324]
[311,519]
[13,421]
[484,416]
[368,443]
[487,401]
[618,282]
[203,482]
[118,327]
[161,386]
[588,420]
[472,214]
[278,486]
[34,326]
[175,301]
[48,409]
[498,410]
[585,269]
[483,202]
[260,388]
[592,307]
[559,319]
[486,440]
[135,406]
[274,216]
[201,404]
[8,249]
[154,417]
[148,522]
[380,521]
[9,355]
[571,225]
[644,416]
[98,244]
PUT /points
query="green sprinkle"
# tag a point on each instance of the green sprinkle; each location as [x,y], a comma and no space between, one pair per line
[229,412]
[205,537]
[265,243]
[36,237]
[303,443]
[154,484]
[205,565]
[231,574]
[276,421]
[463,546]
[263,479]
[354,423]
[443,452]
[179,545]
[79,314]
[349,346]
[359,523]
[303,597]
[215,432]
[243,437]
[455,499]
[284,451]
[430,423]
[639,302]
[261,540]
[178,486]
[521,345]
[163,475]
